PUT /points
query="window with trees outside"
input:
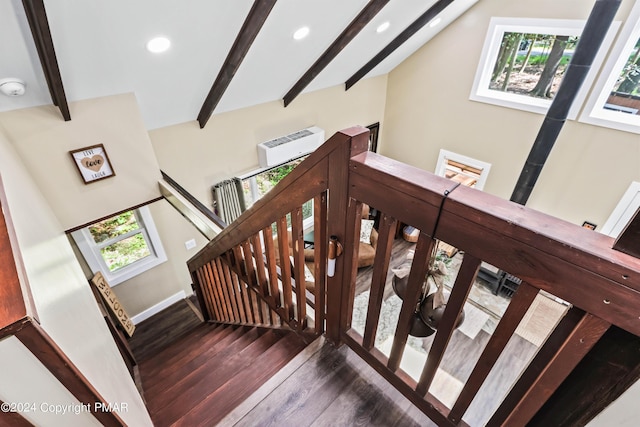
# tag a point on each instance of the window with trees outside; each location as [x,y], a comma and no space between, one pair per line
[615,102]
[122,246]
[258,183]
[524,60]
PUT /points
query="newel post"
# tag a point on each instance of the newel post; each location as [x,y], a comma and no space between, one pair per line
[356,141]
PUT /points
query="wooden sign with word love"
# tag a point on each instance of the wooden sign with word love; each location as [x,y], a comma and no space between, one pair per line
[92,163]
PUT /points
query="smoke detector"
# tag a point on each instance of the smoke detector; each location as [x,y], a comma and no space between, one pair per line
[12,86]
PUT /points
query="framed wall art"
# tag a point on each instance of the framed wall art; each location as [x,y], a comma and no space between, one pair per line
[92,163]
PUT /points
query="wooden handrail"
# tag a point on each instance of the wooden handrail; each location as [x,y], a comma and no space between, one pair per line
[303,183]
[563,259]
[245,262]
[547,254]
[208,213]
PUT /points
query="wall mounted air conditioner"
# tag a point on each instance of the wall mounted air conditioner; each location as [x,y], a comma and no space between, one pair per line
[284,148]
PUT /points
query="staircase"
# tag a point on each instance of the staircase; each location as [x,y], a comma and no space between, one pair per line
[258,271]
[202,376]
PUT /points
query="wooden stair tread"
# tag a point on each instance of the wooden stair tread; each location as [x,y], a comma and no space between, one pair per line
[193,382]
[209,371]
[230,394]
[154,333]
[327,375]
[204,348]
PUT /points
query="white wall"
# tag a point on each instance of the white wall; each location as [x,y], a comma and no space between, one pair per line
[31,384]
[64,302]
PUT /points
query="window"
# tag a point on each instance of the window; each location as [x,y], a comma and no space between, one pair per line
[258,183]
[465,170]
[122,246]
[624,211]
[615,102]
[523,62]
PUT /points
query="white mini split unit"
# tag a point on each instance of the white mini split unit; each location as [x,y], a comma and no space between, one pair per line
[284,148]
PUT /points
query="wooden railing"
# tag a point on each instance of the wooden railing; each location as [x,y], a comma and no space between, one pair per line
[600,285]
[254,271]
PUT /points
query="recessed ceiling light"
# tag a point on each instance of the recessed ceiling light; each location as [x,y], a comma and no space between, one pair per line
[435,22]
[158,44]
[301,33]
[383,27]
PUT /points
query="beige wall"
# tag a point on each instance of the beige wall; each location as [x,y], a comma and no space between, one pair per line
[65,305]
[428,108]
[142,292]
[43,141]
[198,158]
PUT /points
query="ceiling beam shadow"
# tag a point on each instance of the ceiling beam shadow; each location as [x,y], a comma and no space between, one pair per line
[363,18]
[405,35]
[250,29]
[39,25]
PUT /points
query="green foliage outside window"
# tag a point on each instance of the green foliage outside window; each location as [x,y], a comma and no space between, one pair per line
[114,227]
[124,251]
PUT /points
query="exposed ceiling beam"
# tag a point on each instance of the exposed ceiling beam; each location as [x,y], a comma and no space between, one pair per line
[39,24]
[363,18]
[405,35]
[250,29]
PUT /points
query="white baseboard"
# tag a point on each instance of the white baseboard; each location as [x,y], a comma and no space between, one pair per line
[158,307]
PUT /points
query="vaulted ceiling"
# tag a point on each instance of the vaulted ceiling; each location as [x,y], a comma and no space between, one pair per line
[224,54]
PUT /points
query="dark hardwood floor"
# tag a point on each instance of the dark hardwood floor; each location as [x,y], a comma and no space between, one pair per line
[198,376]
[333,388]
[162,329]
[195,373]
[206,373]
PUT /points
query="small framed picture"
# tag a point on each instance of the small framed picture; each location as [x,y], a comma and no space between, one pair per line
[93,163]
[589,225]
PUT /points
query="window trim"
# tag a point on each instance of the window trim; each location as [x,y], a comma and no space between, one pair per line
[623,212]
[91,250]
[250,177]
[445,155]
[594,112]
[480,91]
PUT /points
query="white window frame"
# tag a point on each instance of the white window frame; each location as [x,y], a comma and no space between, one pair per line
[441,166]
[498,26]
[594,112]
[624,211]
[91,250]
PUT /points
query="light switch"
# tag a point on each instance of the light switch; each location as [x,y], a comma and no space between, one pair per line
[190,244]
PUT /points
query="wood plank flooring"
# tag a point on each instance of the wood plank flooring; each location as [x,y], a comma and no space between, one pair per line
[334,388]
[164,328]
[185,381]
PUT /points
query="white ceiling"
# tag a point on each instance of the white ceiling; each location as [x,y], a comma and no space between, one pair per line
[100,47]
